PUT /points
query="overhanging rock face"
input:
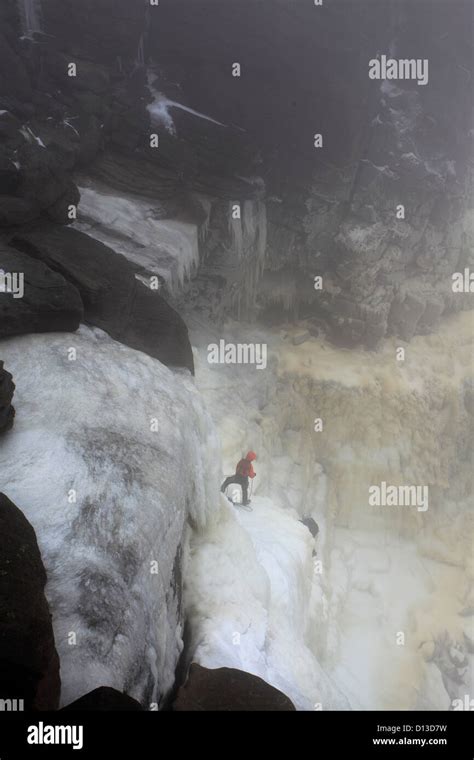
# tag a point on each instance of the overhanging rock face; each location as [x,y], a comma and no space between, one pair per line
[35,298]
[113,298]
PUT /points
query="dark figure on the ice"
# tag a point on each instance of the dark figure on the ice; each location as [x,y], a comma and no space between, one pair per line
[243,472]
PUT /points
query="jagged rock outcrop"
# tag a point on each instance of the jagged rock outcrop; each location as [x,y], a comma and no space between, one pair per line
[113,298]
[389,275]
[100,31]
[29,664]
[55,124]
[7,389]
[228,689]
[331,211]
[48,304]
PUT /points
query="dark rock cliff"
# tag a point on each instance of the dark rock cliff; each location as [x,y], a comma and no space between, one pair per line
[29,664]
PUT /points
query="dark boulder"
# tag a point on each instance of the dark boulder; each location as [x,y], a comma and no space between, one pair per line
[113,298]
[16,211]
[29,664]
[9,125]
[9,174]
[7,389]
[49,303]
[103,699]
[59,210]
[90,130]
[89,76]
[14,79]
[43,180]
[228,689]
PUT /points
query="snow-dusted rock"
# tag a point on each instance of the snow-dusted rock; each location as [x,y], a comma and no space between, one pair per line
[113,298]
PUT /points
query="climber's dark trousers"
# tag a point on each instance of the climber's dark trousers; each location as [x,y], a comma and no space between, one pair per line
[242,481]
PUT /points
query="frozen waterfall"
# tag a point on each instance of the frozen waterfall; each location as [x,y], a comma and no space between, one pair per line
[30,15]
[246,257]
[384,622]
[373,614]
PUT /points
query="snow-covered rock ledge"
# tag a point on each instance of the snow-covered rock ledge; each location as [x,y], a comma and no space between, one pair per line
[108,459]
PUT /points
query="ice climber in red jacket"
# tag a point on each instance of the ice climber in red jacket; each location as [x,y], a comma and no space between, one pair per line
[243,472]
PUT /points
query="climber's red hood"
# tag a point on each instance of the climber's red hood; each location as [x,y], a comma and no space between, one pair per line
[251,456]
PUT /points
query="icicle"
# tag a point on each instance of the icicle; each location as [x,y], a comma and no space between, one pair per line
[248,242]
[279,288]
[236,234]
[255,242]
[30,15]
[140,60]
[206,204]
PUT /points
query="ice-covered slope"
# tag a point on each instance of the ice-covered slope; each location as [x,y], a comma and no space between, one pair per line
[389,618]
[251,602]
[253,589]
[133,441]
